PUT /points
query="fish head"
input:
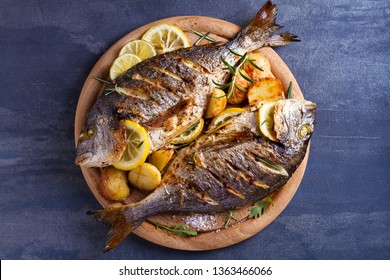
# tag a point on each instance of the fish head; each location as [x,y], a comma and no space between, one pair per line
[102,141]
[294,122]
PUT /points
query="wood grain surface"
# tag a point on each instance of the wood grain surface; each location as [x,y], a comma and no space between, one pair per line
[341,209]
[218,236]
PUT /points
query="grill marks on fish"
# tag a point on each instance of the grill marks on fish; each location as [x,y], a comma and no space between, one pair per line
[169,94]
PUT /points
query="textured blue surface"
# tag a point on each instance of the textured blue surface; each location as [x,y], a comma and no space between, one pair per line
[342,208]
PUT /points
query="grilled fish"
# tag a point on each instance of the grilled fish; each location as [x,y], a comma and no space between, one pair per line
[223,170]
[167,94]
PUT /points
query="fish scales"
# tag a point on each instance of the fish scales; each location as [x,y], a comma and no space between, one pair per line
[221,170]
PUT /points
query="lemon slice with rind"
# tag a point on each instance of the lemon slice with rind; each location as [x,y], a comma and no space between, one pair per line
[137,146]
[266,120]
[140,48]
[166,38]
[122,64]
[189,134]
[224,118]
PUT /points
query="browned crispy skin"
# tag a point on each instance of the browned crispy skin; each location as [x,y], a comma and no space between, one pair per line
[168,93]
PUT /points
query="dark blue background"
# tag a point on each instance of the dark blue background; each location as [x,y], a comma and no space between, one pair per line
[342,208]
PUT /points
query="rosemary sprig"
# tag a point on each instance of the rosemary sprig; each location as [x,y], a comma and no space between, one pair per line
[109,90]
[257,158]
[254,64]
[140,144]
[200,34]
[235,71]
[230,217]
[201,38]
[260,207]
[192,159]
[289,90]
[102,80]
[178,229]
[178,147]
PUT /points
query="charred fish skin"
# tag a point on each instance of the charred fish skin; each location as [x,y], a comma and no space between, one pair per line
[223,170]
[167,94]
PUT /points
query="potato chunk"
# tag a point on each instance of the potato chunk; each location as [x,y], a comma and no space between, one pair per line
[262,61]
[145,177]
[239,95]
[217,103]
[113,184]
[267,89]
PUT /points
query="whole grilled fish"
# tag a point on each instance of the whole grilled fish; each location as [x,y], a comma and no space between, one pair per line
[223,170]
[167,94]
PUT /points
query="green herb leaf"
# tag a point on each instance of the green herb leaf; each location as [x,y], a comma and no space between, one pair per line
[200,34]
[246,77]
[201,38]
[230,68]
[240,89]
[140,144]
[192,159]
[178,229]
[230,217]
[289,90]
[222,86]
[102,80]
[260,208]
[255,65]
[235,53]
[257,158]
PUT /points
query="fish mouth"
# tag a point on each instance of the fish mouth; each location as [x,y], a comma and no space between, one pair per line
[83,158]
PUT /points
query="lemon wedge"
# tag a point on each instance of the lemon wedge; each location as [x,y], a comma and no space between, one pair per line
[137,149]
[122,64]
[266,120]
[189,134]
[224,118]
[140,48]
[166,38]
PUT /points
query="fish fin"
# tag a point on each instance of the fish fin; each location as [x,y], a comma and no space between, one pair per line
[121,221]
[260,29]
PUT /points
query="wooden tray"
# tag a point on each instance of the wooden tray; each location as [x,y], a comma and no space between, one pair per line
[218,237]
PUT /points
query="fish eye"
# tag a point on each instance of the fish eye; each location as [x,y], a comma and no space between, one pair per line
[304,131]
[90,133]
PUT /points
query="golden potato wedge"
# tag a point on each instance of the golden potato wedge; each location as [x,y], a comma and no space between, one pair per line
[260,60]
[145,177]
[160,158]
[267,89]
[239,94]
[217,103]
[113,184]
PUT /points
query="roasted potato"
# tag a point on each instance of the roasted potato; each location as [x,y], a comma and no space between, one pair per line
[260,60]
[239,96]
[217,103]
[160,158]
[267,89]
[113,184]
[145,177]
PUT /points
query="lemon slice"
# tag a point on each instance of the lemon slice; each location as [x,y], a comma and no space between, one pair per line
[224,118]
[166,38]
[190,134]
[122,64]
[266,120]
[140,48]
[137,149]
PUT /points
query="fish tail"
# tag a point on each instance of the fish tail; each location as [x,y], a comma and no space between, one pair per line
[259,32]
[122,220]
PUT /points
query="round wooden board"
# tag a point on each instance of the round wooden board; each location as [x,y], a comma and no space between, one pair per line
[218,237]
